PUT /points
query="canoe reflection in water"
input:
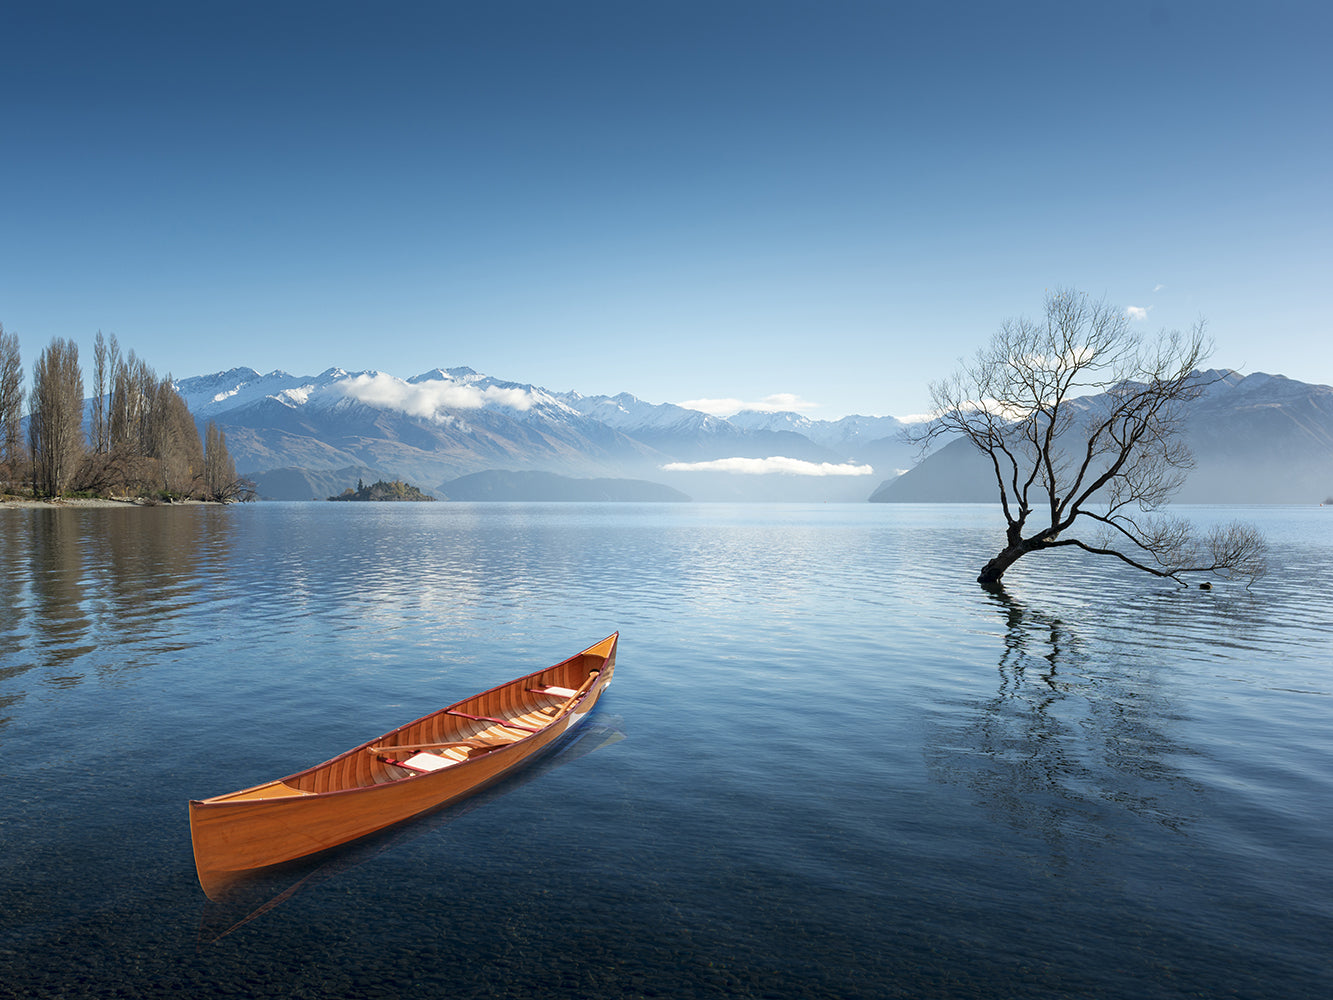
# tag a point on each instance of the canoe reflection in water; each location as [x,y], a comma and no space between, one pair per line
[251,896]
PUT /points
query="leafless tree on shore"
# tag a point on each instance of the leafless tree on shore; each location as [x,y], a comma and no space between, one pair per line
[55,424]
[12,455]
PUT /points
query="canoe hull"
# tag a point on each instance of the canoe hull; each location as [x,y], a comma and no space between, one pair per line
[357,793]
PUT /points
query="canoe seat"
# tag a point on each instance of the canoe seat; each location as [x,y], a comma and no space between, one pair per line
[555,692]
[424,762]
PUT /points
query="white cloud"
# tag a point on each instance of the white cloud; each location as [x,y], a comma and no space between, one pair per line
[1005,411]
[1158,288]
[427,399]
[781,402]
[1137,312]
[778,402]
[776,464]
[714,407]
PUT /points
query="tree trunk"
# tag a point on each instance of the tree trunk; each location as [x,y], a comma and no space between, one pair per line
[992,572]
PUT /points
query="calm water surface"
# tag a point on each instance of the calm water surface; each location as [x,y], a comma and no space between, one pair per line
[830,766]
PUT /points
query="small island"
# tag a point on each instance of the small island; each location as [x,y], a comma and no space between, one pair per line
[383,492]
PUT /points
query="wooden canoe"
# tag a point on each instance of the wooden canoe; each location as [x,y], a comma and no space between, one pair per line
[439,758]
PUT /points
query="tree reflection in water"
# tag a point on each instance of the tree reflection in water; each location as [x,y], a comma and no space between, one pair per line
[91,592]
[1074,747]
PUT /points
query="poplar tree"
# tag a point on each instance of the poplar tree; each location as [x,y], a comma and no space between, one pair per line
[11,406]
[220,480]
[173,439]
[106,356]
[55,425]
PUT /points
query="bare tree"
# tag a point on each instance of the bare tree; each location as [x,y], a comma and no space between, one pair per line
[173,439]
[1079,418]
[11,406]
[218,467]
[55,426]
[220,480]
[101,375]
[133,386]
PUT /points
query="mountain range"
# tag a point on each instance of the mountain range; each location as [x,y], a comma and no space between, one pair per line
[302,437]
[1258,439]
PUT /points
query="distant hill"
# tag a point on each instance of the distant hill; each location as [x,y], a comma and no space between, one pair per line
[957,473]
[1259,438]
[294,483]
[546,486]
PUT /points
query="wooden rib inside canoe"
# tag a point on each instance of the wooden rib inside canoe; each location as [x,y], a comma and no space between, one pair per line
[370,787]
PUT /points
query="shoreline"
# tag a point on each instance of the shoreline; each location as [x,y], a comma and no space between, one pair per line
[94,502]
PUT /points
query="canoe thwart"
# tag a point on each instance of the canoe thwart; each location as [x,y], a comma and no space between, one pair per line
[431,746]
[489,718]
[583,689]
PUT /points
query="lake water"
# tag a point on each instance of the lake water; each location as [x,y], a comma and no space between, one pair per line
[831,766]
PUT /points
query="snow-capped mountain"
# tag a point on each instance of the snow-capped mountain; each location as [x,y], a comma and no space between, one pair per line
[836,434]
[209,395]
[431,395]
[629,413]
[447,423]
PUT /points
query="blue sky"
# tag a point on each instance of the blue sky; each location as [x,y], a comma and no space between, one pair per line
[724,200]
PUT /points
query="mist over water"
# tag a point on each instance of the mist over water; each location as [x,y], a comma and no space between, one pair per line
[830,764]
